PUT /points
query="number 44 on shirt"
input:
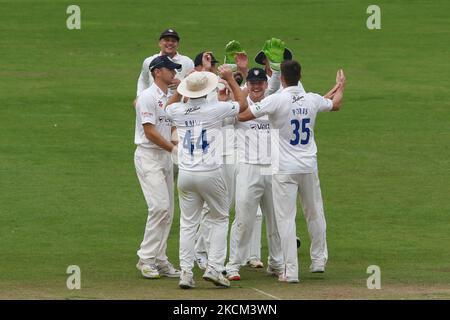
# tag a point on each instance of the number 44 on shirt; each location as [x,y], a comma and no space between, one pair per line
[201,143]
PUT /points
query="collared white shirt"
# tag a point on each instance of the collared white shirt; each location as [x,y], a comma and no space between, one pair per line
[145,78]
[292,116]
[150,108]
[199,128]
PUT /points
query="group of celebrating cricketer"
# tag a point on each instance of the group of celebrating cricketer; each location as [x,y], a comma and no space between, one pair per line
[240,137]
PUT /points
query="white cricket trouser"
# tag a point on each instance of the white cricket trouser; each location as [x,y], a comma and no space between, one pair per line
[195,188]
[155,173]
[202,235]
[255,242]
[254,188]
[230,170]
[285,190]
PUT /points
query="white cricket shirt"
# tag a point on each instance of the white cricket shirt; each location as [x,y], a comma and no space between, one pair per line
[253,140]
[292,116]
[199,128]
[150,108]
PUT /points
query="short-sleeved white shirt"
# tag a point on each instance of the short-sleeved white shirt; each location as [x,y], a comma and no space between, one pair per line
[292,116]
[253,140]
[199,128]
[145,78]
[150,108]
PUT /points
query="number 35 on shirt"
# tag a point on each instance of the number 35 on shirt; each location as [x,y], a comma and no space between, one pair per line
[300,131]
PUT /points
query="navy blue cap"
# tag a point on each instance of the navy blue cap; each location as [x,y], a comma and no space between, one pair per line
[163,62]
[169,33]
[256,74]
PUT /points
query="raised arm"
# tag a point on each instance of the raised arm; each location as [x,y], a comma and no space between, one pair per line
[274,83]
[247,115]
[338,94]
[242,63]
[226,74]
[144,78]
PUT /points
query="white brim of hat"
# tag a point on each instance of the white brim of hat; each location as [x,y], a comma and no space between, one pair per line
[211,85]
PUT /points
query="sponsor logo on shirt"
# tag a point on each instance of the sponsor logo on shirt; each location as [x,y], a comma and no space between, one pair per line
[296,99]
[146,114]
[191,109]
[260,126]
[165,120]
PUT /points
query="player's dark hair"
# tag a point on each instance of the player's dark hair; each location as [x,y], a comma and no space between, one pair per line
[239,77]
[291,72]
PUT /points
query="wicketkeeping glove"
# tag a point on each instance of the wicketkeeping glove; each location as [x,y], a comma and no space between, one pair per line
[231,49]
[274,51]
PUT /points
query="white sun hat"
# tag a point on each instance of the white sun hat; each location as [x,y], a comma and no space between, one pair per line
[198,84]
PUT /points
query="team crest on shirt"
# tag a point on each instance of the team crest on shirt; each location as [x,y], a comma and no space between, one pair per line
[160,104]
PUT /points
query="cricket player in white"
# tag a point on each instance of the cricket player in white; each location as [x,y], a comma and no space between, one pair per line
[168,43]
[204,61]
[201,178]
[154,169]
[254,184]
[292,114]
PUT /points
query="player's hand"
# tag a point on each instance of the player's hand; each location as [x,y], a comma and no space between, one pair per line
[225,72]
[174,84]
[223,92]
[241,59]
[231,49]
[206,61]
[340,78]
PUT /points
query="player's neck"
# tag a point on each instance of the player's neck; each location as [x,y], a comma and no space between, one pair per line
[161,85]
[169,55]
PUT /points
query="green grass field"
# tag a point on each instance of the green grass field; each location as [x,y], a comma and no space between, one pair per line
[68,190]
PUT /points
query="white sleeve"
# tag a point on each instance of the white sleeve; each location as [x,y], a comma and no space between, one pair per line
[227,109]
[266,106]
[190,65]
[320,103]
[274,83]
[146,106]
[228,121]
[143,81]
[187,65]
